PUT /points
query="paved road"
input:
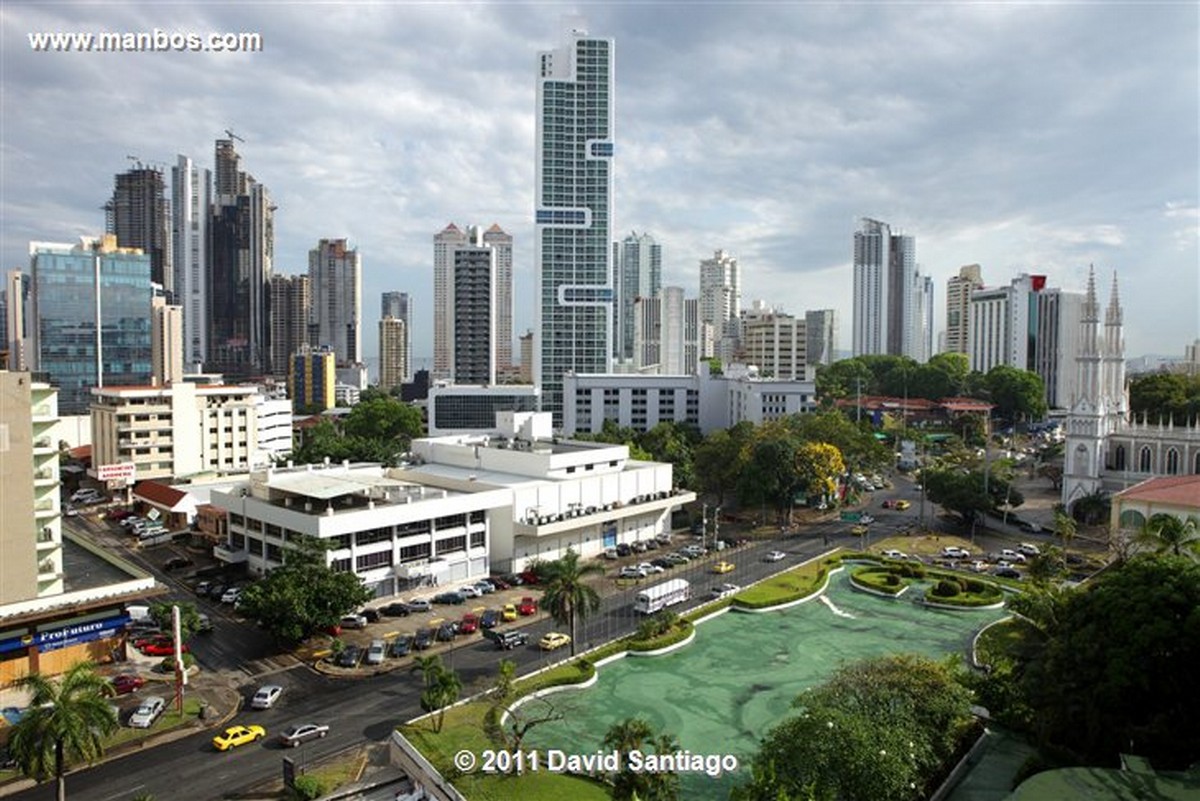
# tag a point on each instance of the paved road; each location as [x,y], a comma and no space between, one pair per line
[367,709]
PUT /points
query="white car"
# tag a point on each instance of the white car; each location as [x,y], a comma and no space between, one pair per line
[629,571]
[892,553]
[230,595]
[1010,555]
[649,569]
[470,591]
[1028,548]
[266,696]
[775,556]
[144,716]
[954,552]
[724,591]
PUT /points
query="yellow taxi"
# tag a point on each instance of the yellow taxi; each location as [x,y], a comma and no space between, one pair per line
[238,735]
[509,612]
[723,567]
[553,640]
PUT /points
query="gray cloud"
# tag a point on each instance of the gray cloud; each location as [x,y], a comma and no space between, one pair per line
[1023,137]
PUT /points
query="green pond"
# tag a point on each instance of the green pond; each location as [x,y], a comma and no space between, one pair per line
[725,690]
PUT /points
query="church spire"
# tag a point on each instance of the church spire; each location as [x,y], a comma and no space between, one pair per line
[1113,315]
[1091,307]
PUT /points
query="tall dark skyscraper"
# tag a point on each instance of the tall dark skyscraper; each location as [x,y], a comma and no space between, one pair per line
[242,252]
[139,215]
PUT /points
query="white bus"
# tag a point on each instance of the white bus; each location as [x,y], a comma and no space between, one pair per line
[660,596]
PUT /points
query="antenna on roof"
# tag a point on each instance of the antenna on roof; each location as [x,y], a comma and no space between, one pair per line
[232,135]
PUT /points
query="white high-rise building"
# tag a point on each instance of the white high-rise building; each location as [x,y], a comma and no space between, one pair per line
[1057,343]
[399,305]
[775,343]
[721,302]
[166,342]
[191,197]
[1000,331]
[893,304]
[821,333]
[335,314]
[472,314]
[667,333]
[393,353]
[637,273]
[958,307]
[573,213]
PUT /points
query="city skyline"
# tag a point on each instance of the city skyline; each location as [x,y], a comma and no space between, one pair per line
[1030,139]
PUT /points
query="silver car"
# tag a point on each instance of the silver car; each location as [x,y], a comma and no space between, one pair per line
[144,716]
[375,652]
[302,733]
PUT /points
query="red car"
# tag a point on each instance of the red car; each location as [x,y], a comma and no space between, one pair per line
[161,649]
[529,577]
[469,624]
[126,683]
[118,514]
[889,504]
[528,606]
[151,639]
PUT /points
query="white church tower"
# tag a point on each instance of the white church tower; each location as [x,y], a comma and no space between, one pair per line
[1101,405]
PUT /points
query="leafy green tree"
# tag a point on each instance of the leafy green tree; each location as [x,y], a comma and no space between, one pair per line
[847,378]
[958,492]
[506,676]
[673,443]
[1117,673]
[1165,396]
[66,722]
[720,458]
[858,446]
[769,477]
[445,690]
[636,734]
[1047,566]
[567,595]
[384,419]
[303,595]
[189,618]
[1065,527]
[879,729]
[1017,394]
[1166,533]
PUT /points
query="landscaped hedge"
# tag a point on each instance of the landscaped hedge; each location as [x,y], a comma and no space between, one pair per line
[781,589]
[880,578]
[575,672]
[956,591]
[678,633]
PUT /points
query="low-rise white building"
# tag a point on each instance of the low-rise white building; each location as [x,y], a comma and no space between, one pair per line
[187,428]
[393,533]
[583,496]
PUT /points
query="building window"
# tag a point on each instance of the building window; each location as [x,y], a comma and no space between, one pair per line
[371,560]
[339,542]
[373,535]
[411,529]
[477,516]
[1119,464]
[450,521]
[254,546]
[478,539]
[237,542]
[451,545]
[236,520]
[414,553]
[340,565]
[274,552]
[1172,462]
[1144,459]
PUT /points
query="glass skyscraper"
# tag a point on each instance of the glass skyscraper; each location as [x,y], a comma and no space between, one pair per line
[91,307]
[573,214]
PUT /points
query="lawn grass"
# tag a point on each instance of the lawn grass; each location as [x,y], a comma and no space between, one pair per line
[168,720]
[1006,642]
[876,578]
[789,586]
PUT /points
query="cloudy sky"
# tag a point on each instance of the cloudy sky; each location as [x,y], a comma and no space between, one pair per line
[1029,137]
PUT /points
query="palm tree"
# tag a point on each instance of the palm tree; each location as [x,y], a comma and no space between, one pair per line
[442,693]
[566,596]
[428,667]
[67,721]
[636,734]
[1065,527]
[1166,532]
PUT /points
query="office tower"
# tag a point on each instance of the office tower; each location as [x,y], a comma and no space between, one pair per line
[775,342]
[90,317]
[721,302]
[139,216]
[1057,326]
[892,302]
[573,213]
[473,345]
[335,314]
[445,243]
[666,333]
[526,372]
[312,380]
[399,305]
[958,307]
[242,236]
[637,273]
[821,332]
[31,561]
[191,213]
[462,310]
[1002,324]
[291,302]
[18,338]
[166,342]
[393,353]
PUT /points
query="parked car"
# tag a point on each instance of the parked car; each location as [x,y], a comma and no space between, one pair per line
[423,639]
[126,683]
[892,553]
[484,586]
[499,583]
[353,621]
[1028,548]
[401,646]
[177,563]
[979,566]
[349,657]
[371,615]
[489,619]
[775,556]
[623,549]
[230,595]
[638,546]
[446,632]
[677,558]
[396,610]
[302,733]
[649,568]
[449,598]
[663,539]
[663,562]
[419,605]
[470,591]
[1009,555]
[692,551]
[1007,572]
[954,552]
[376,651]
[528,606]
[631,572]
[469,624]
[553,640]
[238,735]
[216,590]
[203,623]
[144,716]
[723,567]
[266,696]
[724,591]
[203,587]
[509,612]
[507,640]
[162,649]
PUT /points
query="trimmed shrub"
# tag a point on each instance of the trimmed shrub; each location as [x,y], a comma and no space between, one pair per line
[946,588]
[892,580]
[974,585]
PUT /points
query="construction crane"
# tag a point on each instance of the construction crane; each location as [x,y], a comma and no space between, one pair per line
[232,135]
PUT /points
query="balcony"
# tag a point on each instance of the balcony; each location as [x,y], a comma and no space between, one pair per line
[230,556]
[43,444]
[47,570]
[45,477]
[43,412]
[47,508]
